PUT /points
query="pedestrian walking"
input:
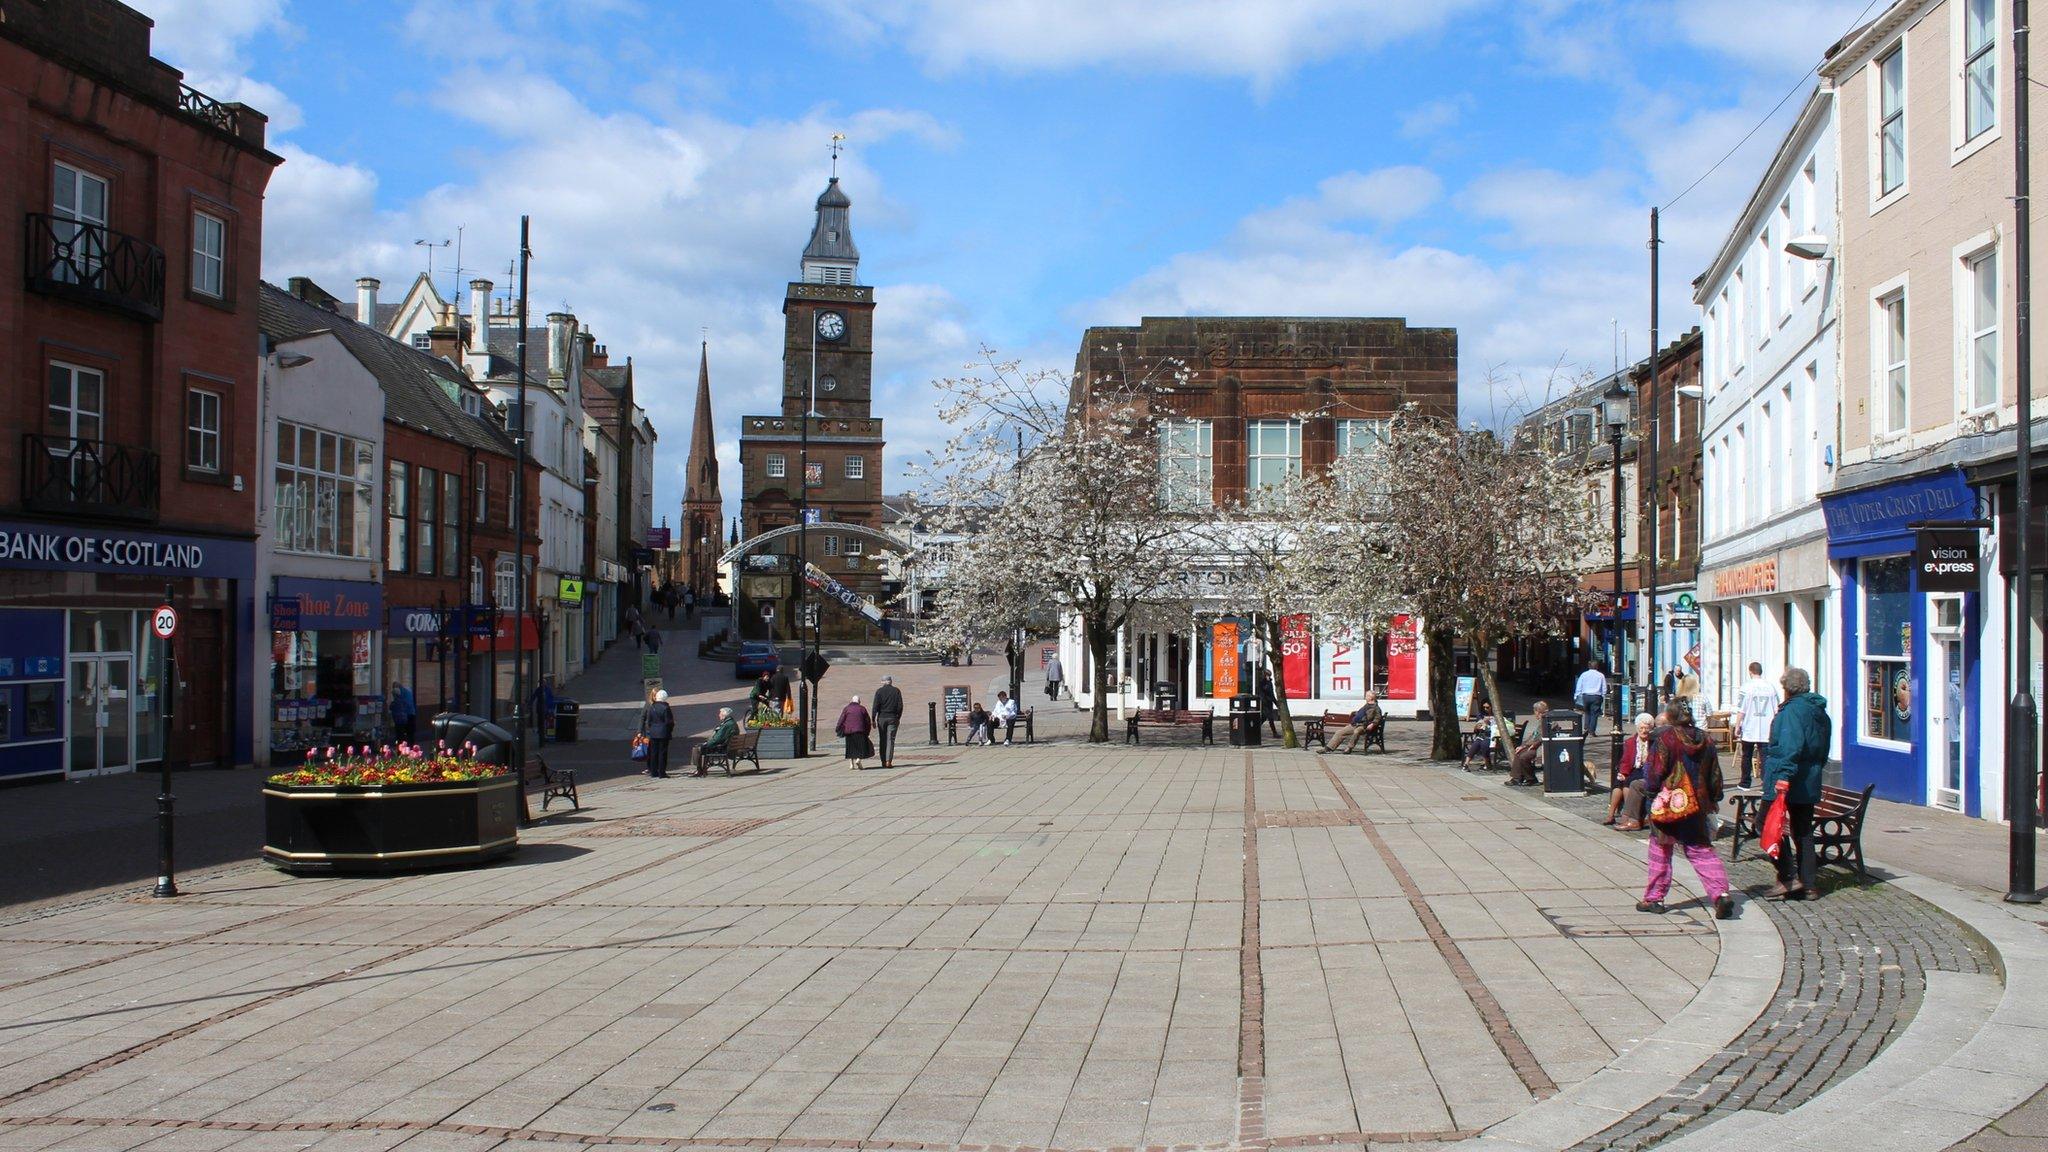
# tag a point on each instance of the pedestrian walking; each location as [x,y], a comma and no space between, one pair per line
[1590,694]
[779,685]
[633,623]
[1801,738]
[888,713]
[654,640]
[542,705]
[689,604]
[1269,710]
[855,725]
[658,724]
[1684,779]
[668,600]
[1053,676]
[1756,706]
[405,713]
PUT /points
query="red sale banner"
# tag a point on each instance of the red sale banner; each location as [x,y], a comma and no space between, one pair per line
[1297,646]
[1401,642]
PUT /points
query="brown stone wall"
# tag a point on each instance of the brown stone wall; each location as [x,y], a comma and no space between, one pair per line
[1319,370]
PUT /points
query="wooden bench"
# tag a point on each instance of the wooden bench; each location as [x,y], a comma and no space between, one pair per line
[1027,718]
[742,746]
[549,782]
[1318,731]
[1837,824]
[1171,718]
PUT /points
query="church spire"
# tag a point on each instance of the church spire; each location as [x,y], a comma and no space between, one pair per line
[830,257]
[701,483]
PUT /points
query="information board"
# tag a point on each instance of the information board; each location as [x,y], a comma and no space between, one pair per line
[954,700]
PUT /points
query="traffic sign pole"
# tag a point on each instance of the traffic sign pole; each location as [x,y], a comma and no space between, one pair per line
[164,623]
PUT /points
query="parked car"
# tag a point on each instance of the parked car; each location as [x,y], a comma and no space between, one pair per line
[756,657]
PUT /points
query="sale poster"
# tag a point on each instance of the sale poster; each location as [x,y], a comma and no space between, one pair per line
[1401,644]
[1297,651]
[1343,666]
[1223,657]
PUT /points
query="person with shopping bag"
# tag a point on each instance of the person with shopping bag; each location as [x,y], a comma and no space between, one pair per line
[1684,777]
[1801,738]
[658,725]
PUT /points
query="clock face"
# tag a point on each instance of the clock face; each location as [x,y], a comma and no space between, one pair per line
[831,325]
[828,383]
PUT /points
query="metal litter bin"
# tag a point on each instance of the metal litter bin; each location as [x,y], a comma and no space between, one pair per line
[1564,752]
[566,713]
[1244,721]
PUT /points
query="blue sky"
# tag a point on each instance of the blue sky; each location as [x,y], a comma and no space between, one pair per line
[1019,170]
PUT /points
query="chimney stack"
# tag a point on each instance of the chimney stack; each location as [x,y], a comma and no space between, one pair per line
[445,339]
[561,326]
[366,300]
[478,361]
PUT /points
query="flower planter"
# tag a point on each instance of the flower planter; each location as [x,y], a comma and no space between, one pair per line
[389,827]
[779,743]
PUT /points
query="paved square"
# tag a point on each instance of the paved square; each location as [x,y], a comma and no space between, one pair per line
[1056,946]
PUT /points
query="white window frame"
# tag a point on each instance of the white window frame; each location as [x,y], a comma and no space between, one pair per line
[204,260]
[1766,289]
[1809,221]
[1192,488]
[856,467]
[1882,417]
[1963,145]
[1738,323]
[1781,307]
[831,545]
[1969,326]
[1254,455]
[1880,196]
[855,546]
[776,466]
[422,341]
[200,434]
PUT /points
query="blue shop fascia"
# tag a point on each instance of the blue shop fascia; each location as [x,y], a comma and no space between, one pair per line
[1912,666]
[81,672]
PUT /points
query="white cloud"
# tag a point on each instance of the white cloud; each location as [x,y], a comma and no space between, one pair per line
[207,40]
[1435,117]
[1255,40]
[1768,34]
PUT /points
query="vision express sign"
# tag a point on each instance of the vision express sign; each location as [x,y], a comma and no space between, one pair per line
[1946,559]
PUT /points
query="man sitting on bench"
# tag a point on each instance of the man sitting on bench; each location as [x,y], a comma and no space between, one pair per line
[720,737]
[1365,724]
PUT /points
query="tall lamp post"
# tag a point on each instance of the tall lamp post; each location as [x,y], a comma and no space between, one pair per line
[1614,409]
[2022,758]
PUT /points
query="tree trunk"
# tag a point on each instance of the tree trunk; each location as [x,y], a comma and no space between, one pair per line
[1445,742]
[1273,663]
[1503,733]
[1098,636]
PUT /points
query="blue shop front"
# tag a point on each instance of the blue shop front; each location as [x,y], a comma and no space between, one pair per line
[81,671]
[1910,655]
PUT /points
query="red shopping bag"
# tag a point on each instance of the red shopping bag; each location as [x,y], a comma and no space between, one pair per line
[1773,831]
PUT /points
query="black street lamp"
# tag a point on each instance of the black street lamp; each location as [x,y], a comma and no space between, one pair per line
[2022,766]
[1614,404]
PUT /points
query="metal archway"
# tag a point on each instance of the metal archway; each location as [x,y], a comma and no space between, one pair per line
[732,554]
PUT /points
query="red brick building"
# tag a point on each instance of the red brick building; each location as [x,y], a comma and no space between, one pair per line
[131,214]
[1670,419]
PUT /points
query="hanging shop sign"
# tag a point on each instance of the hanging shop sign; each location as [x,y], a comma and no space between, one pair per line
[1401,646]
[657,538]
[1223,639]
[1297,652]
[1946,559]
[570,590]
[284,615]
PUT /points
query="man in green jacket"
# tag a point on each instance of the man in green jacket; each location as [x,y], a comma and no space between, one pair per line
[719,738]
[1801,737]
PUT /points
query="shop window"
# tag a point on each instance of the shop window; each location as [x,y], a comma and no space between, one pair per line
[323,492]
[1886,638]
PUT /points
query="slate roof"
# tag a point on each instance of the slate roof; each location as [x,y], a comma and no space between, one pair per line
[832,235]
[415,383]
[504,350]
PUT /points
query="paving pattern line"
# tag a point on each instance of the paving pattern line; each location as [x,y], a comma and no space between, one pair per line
[1251,996]
[542,1135]
[1498,1026]
[143,1047]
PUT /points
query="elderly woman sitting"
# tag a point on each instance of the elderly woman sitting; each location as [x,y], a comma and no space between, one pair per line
[1627,799]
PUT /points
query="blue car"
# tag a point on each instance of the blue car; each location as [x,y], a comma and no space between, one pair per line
[756,657]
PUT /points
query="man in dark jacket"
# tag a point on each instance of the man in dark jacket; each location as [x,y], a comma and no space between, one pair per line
[778,687]
[1801,738]
[888,714]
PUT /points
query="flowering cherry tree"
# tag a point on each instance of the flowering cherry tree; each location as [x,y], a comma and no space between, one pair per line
[1480,537]
[1049,491]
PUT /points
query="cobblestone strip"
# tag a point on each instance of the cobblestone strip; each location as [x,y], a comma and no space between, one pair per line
[1856,964]
[1510,1042]
[145,1046]
[1251,1002]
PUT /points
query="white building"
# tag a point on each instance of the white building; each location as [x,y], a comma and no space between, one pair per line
[1769,435]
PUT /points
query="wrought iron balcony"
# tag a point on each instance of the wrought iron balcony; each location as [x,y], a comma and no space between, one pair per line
[199,105]
[96,265]
[88,478]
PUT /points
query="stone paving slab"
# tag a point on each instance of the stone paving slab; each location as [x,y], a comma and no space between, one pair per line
[1063,946]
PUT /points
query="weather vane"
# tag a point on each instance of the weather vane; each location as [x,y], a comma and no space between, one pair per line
[838,145]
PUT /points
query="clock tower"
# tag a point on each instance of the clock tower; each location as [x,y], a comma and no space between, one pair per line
[824,449]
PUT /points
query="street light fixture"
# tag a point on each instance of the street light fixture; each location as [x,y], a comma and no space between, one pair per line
[1614,409]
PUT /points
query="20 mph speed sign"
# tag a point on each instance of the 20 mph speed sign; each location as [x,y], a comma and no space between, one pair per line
[165,622]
